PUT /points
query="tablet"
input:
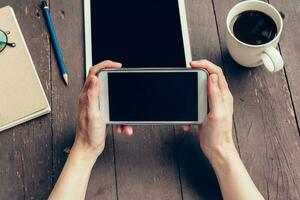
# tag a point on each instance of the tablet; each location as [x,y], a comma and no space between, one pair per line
[139,34]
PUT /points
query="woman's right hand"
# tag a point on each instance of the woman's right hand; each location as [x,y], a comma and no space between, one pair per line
[216,130]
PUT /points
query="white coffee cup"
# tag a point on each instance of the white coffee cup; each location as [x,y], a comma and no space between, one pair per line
[255,55]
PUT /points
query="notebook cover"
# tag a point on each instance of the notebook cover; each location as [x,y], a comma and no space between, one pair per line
[21,94]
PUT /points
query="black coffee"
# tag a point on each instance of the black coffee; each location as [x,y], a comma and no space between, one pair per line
[254,27]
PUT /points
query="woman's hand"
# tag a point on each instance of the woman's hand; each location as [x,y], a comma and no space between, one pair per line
[216,138]
[216,130]
[89,141]
[91,127]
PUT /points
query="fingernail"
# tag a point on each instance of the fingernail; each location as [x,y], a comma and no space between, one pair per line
[119,64]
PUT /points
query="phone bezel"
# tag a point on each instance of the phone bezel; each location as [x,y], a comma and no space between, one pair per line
[88,34]
[202,94]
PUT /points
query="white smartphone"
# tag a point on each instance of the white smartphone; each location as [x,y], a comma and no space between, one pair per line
[153,96]
[147,33]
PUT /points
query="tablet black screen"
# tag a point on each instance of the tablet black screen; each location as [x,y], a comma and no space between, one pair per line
[137,33]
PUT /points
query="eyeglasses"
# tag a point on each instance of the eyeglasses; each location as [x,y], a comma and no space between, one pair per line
[4,40]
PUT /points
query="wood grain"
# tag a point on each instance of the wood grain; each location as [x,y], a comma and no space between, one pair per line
[146,165]
[25,151]
[203,33]
[290,48]
[68,20]
[265,122]
[102,184]
[198,180]
[157,162]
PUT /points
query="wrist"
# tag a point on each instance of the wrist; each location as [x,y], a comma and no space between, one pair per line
[86,144]
[222,154]
[84,153]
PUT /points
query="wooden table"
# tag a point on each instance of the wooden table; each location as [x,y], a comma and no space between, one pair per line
[158,162]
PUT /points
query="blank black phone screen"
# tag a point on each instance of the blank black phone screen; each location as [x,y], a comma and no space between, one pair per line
[163,96]
[137,33]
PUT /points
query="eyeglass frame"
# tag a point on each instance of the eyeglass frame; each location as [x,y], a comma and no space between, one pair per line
[11,44]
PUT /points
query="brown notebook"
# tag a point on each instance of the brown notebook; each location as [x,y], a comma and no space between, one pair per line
[22,97]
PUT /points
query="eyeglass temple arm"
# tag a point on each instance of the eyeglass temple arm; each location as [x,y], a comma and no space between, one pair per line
[12,44]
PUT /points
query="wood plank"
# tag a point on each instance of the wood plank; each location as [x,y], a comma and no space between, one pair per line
[102,184]
[25,151]
[198,180]
[146,165]
[290,47]
[203,33]
[265,122]
[68,20]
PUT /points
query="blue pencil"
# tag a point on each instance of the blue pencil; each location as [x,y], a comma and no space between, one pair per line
[57,50]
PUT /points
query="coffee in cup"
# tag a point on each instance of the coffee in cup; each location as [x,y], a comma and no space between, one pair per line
[254,27]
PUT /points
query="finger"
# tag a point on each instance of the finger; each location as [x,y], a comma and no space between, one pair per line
[214,93]
[128,130]
[186,128]
[212,69]
[89,83]
[105,64]
[92,94]
[119,129]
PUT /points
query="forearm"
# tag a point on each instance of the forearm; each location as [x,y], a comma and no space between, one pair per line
[72,182]
[234,180]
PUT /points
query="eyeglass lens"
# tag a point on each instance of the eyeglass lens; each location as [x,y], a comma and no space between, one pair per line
[3,40]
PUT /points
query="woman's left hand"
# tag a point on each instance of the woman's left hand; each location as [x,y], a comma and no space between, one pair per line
[91,127]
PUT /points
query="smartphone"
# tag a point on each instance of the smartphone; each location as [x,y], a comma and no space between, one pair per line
[153,96]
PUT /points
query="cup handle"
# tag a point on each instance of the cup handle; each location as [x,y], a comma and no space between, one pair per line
[272,59]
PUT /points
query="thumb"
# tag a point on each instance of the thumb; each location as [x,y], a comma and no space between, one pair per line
[93,92]
[214,93]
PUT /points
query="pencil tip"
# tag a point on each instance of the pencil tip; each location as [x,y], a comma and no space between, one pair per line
[65,76]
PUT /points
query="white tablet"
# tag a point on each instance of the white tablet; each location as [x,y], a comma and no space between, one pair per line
[137,33]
